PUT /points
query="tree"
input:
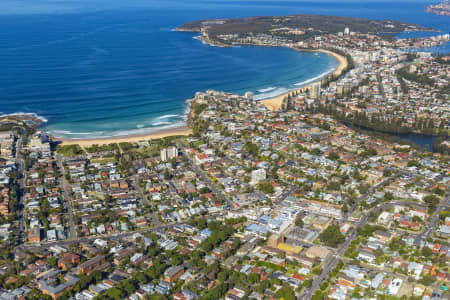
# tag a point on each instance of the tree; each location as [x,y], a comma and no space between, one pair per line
[439,191]
[114,293]
[416,219]
[427,252]
[317,270]
[387,173]
[253,278]
[307,283]
[413,163]
[222,276]
[317,296]
[204,190]
[345,208]
[216,292]
[369,152]
[444,214]
[394,244]
[235,278]
[166,174]
[52,261]
[198,108]
[367,230]
[176,260]
[388,196]
[299,222]
[431,200]
[427,280]
[333,156]
[332,236]
[251,148]
[286,293]
[69,150]
[266,187]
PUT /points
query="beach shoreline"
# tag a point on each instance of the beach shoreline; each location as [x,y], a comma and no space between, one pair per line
[132,138]
[272,104]
[275,103]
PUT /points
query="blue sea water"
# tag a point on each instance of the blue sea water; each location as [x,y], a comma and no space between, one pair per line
[103,68]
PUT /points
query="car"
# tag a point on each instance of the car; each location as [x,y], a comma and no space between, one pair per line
[436,295]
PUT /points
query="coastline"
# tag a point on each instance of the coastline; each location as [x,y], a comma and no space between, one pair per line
[132,138]
[275,103]
[442,8]
[272,104]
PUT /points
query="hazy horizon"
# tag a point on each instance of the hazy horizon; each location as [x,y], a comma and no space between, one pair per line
[18,7]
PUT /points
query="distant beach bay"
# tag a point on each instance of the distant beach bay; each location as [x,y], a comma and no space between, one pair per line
[96,74]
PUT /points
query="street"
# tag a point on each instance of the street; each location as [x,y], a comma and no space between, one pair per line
[348,241]
[206,179]
[66,189]
[143,200]
[20,193]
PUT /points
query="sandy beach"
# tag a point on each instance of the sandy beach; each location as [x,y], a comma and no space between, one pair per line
[276,102]
[184,130]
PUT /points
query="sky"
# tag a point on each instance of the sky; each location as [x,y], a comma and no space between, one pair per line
[21,7]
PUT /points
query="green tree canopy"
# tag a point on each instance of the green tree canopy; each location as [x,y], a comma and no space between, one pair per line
[332,236]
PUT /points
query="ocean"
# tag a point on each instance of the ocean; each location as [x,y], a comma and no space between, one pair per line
[105,68]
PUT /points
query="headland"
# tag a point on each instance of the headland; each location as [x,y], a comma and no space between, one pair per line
[442,8]
[298,32]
